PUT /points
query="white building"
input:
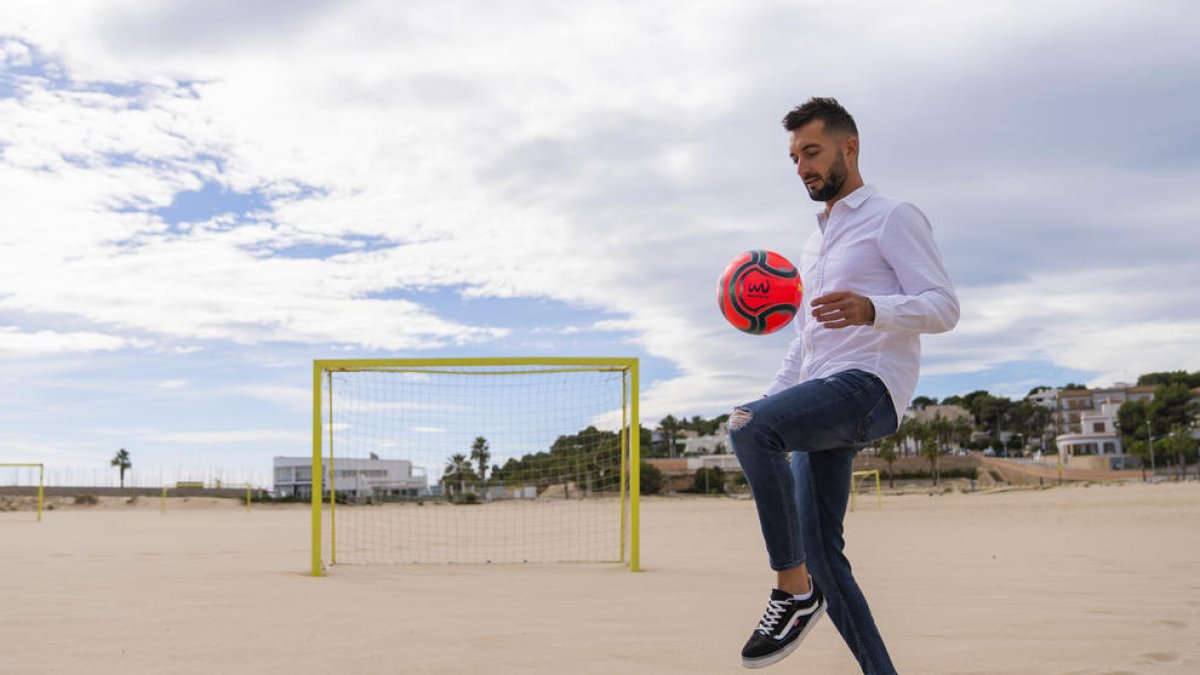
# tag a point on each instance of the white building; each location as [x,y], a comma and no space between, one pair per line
[1073,403]
[1047,398]
[717,444]
[355,478]
[1098,443]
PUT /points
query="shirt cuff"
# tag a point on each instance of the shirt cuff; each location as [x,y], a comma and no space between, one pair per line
[885,312]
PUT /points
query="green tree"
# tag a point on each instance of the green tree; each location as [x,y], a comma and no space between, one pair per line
[923,401]
[887,452]
[560,462]
[1189,380]
[1180,445]
[123,463]
[1138,421]
[962,430]
[481,455]
[1172,405]
[1131,421]
[651,479]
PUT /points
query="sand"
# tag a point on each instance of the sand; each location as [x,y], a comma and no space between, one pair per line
[1073,580]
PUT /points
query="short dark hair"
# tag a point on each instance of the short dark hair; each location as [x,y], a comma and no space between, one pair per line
[828,110]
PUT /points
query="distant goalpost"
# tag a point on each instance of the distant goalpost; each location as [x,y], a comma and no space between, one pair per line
[41,473]
[188,487]
[474,460]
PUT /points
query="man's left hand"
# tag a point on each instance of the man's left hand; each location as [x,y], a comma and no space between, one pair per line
[841,309]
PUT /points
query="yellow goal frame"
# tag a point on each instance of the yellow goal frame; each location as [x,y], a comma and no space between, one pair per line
[41,480]
[854,476]
[630,434]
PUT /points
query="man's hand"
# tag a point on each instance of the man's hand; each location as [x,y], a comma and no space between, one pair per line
[843,308]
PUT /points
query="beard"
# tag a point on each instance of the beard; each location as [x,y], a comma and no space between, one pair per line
[831,183]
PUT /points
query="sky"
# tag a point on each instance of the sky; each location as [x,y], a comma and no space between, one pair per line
[199,199]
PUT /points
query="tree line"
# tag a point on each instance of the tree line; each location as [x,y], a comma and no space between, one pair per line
[590,458]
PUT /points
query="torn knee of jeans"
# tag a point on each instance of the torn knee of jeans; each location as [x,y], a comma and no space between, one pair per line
[739,418]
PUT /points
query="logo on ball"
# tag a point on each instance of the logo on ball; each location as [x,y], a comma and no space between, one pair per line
[759,292]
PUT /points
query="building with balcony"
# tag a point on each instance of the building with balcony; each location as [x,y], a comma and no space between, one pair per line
[1071,404]
[1098,443]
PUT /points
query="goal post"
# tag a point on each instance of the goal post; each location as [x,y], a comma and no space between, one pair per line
[472,460]
[41,471]
[865,476]
[201,485]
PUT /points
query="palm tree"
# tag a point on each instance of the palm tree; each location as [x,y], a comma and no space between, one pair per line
[122,462]
[481,455]
[457,470]
[670,430]
[930,449]
[909,429]
[943,430]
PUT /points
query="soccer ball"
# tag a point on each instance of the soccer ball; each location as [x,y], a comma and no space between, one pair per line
[759,292]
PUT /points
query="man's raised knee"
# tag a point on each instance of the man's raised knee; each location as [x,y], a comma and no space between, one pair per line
[738,419]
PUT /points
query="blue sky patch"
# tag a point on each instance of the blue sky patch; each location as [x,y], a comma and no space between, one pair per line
[210,201]
[1013,379]
[354,243]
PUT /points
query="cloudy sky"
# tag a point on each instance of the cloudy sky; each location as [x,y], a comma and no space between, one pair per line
[199,199]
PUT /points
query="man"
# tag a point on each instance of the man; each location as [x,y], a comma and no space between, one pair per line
[877,282]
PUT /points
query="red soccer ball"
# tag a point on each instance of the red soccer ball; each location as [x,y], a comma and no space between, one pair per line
[759,292]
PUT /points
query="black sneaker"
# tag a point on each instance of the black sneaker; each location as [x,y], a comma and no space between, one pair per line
[783,626]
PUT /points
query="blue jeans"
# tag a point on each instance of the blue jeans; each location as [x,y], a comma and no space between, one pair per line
[825,423]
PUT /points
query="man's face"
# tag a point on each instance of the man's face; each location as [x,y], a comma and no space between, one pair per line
[819,160]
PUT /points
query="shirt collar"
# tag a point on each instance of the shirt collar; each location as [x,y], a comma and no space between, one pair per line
[852,201]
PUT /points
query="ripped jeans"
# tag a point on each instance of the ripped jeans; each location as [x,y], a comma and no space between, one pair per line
[824,423]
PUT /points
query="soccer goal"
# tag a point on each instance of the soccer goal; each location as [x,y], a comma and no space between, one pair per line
[21,483]
[488,460]
[196,488]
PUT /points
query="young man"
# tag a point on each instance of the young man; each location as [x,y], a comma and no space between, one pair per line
[877,282]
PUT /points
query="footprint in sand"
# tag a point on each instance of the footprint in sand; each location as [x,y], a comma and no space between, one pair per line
[1161,657]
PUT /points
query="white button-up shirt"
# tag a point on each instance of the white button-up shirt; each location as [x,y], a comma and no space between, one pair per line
[883,249]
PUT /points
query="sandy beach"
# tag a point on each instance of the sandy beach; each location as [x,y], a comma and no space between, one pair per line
[1073,580]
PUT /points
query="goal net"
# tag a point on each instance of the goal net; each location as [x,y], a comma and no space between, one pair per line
[473,461]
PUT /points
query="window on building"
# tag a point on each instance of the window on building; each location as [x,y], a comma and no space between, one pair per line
[1098,427]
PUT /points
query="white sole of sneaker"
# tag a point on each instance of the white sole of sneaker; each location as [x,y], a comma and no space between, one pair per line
[764,661]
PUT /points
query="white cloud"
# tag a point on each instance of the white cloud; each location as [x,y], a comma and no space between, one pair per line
[16,342]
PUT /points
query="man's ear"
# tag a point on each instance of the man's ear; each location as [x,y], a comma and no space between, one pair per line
[850,147]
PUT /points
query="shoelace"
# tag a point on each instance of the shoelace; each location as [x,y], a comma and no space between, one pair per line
[775,611]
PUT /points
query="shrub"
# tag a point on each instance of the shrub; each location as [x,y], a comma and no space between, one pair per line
[709,481]
[652,479]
